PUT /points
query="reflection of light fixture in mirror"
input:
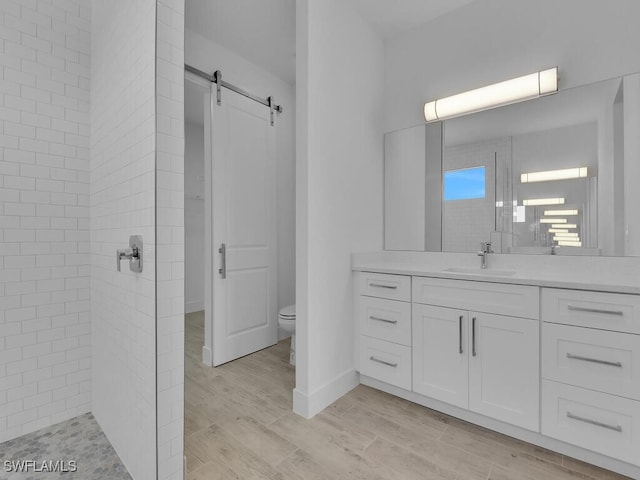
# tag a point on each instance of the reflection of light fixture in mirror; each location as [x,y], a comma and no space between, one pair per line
[561,235]
[515,90]
[548,213]
[532,202]
[553,220]
[565,174]
[569,243]
[558,230]
[564,225]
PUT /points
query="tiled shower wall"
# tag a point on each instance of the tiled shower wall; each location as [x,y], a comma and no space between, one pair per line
[170,236]
[44,213]
[123,137]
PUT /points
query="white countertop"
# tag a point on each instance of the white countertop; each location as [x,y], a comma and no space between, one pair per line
[595,273]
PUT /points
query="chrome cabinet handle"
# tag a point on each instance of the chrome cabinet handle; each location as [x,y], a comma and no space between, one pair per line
[460,333]
[617,428]
[374,359]
[380,285]
[223,261]
[473,336]
[595,310]
[594,360]
[385,320]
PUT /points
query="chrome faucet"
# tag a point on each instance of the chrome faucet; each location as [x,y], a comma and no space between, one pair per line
[485,250]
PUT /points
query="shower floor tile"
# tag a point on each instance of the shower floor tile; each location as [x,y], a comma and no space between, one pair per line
[48,452]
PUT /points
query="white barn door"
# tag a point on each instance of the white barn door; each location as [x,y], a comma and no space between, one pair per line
[243,228]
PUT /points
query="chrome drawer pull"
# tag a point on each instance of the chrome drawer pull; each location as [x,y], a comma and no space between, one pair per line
[380,285]
[385,320]
[595,310]
[594,360]
[374,359]
[460,334]
[617,428]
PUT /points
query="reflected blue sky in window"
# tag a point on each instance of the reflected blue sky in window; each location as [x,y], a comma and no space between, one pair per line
[464,184]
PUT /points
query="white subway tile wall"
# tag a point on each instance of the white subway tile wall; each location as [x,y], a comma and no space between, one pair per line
[45,326]
[170,240]
[123,148]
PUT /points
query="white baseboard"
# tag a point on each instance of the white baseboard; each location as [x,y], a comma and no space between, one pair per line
[206,356]
[308,405]
[190,307]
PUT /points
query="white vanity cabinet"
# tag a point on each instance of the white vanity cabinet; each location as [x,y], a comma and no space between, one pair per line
[480,359]
[545,361]
[384,322]
[591,371]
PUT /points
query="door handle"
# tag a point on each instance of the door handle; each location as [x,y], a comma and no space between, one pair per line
[460,334]
[473,336]
[223,261]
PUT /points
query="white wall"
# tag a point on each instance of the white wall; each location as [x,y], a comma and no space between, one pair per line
[44,214]
[492,40]
[170,237]
[631,107]
[194,217]
[208,56]
[123,190]
[339,189]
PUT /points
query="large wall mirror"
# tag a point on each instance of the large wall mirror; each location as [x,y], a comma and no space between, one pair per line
[546,175]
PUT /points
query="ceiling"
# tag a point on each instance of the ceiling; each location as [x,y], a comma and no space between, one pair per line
[263,31]
[391,18]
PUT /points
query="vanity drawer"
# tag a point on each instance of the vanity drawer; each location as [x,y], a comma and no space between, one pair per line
[385,319]
[603,423]
[502,299]
[385,361]
[590,358]
[382,285]
[607,311]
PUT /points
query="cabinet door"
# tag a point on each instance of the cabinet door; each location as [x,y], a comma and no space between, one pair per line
[504,376]
[440,354]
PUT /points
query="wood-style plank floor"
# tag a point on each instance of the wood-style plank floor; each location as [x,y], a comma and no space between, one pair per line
[239,425]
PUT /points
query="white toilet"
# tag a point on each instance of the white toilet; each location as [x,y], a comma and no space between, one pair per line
[287,322]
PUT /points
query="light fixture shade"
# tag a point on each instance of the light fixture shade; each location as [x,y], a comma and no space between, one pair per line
[569,243]
[548,213]
[553,220]
[503,93]
[533,202]
[564,174]
[564,225]
[558,230]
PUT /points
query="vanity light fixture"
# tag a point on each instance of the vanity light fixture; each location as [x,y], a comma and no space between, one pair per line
[553,220]
[564,174]
[548,213]
[564,225]
[567,235]
[532,202]
[558,230]
[499,94]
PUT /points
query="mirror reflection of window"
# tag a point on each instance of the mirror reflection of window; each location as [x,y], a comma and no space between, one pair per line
[464,184]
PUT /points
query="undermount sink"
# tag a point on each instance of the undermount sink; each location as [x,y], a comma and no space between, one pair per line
[480,271]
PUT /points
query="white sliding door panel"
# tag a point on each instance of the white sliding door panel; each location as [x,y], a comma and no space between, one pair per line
[244,196]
